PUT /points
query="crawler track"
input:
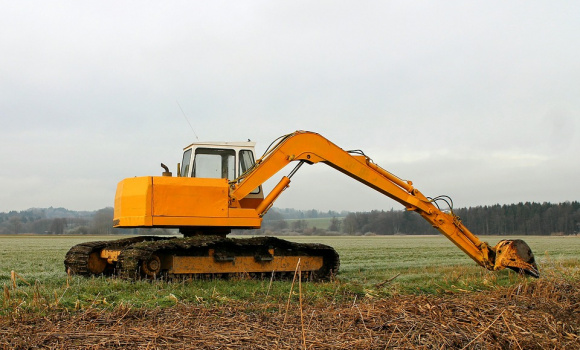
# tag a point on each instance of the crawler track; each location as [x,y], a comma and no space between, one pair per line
[78,258]
[215,252]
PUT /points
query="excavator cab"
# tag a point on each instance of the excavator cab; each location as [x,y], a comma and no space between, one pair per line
[196,201]
[218,160]
[221,160]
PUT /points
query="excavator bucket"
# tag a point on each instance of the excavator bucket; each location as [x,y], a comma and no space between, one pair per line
[516,255]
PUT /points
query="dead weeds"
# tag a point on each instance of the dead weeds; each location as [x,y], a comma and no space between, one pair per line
[544,314]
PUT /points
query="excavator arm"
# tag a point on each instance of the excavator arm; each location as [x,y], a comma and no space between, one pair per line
[311,148]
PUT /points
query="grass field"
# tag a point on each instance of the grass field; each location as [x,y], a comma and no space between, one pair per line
[422,264]
[392,292]
[319,223]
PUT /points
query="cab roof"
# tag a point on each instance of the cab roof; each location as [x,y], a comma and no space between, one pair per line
[209,144]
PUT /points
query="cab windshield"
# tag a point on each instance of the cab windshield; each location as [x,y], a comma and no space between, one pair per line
[214,163]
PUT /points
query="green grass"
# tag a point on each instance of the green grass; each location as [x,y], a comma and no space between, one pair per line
[319,223]
[422,264]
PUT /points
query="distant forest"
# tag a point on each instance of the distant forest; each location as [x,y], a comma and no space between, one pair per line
[513,219]
[57,221]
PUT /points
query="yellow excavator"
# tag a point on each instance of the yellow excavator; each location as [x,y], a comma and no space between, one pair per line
[218,188]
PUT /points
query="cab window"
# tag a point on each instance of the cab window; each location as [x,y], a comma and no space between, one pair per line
[185,163]
[214,163]
[246,162]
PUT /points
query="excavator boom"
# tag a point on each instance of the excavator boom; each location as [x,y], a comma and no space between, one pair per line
[313,148]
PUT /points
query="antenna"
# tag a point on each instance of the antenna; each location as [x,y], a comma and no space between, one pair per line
[187,120]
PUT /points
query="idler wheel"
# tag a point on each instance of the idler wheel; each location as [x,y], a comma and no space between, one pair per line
[152,266]
[96,264]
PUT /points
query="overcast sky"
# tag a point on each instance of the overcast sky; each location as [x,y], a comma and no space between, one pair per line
[478,100]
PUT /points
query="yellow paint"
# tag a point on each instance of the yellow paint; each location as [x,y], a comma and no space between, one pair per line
[156,201]
[209,264]
[111,255]
[187,196]
[242,264]
[133,202]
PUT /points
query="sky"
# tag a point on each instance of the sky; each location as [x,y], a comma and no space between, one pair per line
[477,100]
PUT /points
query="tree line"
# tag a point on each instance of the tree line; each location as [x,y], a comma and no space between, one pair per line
[527,218]
[58,221]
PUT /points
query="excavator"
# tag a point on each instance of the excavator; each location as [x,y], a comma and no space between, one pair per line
[218,188]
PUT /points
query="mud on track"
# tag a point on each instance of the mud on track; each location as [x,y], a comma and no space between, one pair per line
[539,315]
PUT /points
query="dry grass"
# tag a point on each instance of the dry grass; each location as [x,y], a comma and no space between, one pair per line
[391,293]
[541,314]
